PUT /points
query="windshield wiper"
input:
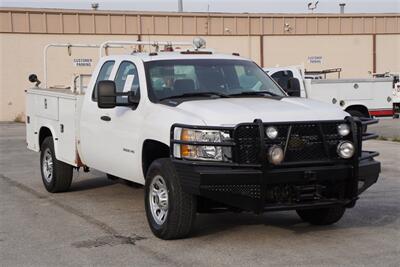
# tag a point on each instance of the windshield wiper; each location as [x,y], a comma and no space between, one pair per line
[254,93]
[194,94]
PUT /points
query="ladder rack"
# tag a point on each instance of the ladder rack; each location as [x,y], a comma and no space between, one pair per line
[115,44]
[155,44]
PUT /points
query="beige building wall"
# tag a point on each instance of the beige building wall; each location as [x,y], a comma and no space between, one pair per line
[358,43]
[352,53]
[388,53]
[22,54]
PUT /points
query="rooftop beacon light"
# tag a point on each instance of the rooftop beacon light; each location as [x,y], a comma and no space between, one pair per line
[198,43]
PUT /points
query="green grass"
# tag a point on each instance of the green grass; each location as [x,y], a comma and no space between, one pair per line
[393,139]
[396,139]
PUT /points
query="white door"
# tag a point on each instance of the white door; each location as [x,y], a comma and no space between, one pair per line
[125,125]
[95,131]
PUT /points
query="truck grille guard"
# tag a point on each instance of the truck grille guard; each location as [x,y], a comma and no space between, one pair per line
[256,143]
[304,143]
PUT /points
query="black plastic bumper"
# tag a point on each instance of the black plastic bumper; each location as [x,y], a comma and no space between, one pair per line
[247,188]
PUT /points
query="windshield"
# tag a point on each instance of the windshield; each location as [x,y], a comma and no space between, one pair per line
[213,77]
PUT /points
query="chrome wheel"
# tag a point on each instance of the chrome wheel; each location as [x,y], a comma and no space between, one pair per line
[158,199]
[47,165]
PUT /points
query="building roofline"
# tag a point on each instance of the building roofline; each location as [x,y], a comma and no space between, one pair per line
[212,14]
[79,21]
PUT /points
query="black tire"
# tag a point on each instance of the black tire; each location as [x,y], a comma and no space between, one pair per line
[61,173]
[356,113]
[181,206]
[325,216]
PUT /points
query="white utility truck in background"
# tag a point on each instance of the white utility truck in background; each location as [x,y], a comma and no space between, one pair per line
[203,132]
[372,97]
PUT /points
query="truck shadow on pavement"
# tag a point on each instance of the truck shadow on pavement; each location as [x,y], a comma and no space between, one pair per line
[100,180]
[90,184]
[374,210]
[364,215]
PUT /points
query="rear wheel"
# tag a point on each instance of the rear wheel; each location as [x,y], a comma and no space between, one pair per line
[357,113]
[170,211]
[325,216]
[56,175]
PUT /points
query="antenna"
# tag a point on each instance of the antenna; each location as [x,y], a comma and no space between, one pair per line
[312,5]
[148,36]
[208,18]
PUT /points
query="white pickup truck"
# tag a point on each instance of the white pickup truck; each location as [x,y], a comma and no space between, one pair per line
[203,132]
[359,97]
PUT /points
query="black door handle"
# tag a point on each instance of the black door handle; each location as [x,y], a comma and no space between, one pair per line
[105,118]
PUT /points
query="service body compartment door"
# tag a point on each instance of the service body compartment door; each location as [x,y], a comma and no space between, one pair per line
[32,138]
[46,106]
[67,131]
[323,91]
[356,90]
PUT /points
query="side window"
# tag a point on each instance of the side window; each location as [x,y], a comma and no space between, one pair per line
[127,79]
[104,74]
[282,78]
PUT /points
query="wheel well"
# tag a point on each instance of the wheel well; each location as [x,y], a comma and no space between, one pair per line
[153,150]
[359,108]
[43,133]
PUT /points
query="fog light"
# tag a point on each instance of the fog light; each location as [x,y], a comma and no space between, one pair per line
[345,149]
[275,155]
[343,129]
[271,132]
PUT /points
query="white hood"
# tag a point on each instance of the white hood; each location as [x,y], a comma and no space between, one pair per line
[231,111]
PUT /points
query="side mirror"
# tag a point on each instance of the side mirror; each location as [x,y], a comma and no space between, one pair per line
[293,87]
[106,94]
[134,97]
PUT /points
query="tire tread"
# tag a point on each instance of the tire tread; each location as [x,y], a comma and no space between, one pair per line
[62,172]
[181,218]
[324,216]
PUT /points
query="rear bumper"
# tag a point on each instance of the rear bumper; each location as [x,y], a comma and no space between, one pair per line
[257,190]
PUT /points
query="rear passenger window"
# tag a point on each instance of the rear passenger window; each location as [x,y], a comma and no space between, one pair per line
[104,74]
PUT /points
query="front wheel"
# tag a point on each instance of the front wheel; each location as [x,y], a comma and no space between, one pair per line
[56,175]
[170,211]
[325,216]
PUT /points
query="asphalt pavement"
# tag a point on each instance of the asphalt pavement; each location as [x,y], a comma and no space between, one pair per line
[102,223]
[387,128]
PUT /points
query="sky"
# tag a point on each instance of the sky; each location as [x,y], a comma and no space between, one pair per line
[235,6]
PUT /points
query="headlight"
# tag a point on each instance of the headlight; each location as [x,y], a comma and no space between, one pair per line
[202,151]
[275,155]
[271,132]
[345,149]
[343,129]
